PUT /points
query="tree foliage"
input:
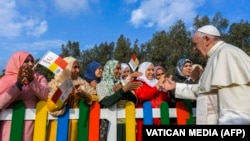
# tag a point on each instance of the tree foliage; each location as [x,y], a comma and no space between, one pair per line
[122,51]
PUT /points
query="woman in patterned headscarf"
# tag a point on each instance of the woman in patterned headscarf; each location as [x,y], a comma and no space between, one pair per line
[183,71]
[110,91]
[182,74]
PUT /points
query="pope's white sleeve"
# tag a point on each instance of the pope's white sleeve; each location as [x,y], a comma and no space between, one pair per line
[234,105]
[186,91]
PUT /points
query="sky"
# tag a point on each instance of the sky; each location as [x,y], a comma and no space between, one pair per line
[37,26]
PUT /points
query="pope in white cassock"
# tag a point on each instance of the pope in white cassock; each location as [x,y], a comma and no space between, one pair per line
[223,92]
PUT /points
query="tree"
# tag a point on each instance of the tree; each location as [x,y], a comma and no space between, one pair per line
[239,35]
[101,54]
[179,44]
[71,49]
[159,48]
[200,21]
[220,22]
[122,51]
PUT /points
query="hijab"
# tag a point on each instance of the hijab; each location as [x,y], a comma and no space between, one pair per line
[12,68]
[123,67]
[66,73]
[108,74]
[156,68]
[105,87]
[178,76]
[143,68]
[89,73]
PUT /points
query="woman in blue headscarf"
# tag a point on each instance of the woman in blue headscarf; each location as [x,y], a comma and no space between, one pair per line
[93,73]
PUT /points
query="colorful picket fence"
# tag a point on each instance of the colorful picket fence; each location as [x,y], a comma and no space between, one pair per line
[89,117]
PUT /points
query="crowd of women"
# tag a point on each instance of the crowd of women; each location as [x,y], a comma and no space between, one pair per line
[110,84]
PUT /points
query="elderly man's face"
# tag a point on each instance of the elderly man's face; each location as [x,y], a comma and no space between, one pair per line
[199,44]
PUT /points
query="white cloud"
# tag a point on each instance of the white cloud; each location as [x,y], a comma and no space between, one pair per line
[13,23]
[72,7]
[163,13]
[41,28]
[137,17]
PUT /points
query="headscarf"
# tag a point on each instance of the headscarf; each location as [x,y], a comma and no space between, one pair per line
[89,73]
[179,66]
[12,68]
[143,68]
[105,87]
[59,79]
[156,68]
[65,74]
[123,67]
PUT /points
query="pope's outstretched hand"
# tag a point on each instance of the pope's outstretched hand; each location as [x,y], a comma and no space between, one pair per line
[169,84]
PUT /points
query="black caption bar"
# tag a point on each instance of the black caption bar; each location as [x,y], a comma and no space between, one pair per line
[218,132]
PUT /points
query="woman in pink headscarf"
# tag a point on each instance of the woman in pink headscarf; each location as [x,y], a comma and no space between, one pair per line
[21,82]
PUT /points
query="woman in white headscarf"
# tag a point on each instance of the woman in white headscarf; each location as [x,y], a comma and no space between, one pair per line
[149,91]
[125,73]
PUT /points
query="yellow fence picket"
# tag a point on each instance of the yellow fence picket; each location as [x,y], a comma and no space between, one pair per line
[40,122]
[130,121]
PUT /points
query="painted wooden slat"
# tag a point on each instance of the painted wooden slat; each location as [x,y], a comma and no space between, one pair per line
[182,113]
[17,123]
[130,121]
[188,104]
[94,121]
[165,120]
[63,125]
[40,121]
[83,122]
[147,113]
[112,117]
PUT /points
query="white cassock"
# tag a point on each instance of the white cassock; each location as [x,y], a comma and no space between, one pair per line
[223,92]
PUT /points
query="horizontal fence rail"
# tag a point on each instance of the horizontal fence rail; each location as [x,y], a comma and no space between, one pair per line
[30,114]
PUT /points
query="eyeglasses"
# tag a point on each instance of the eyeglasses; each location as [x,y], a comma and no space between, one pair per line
[159,74]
